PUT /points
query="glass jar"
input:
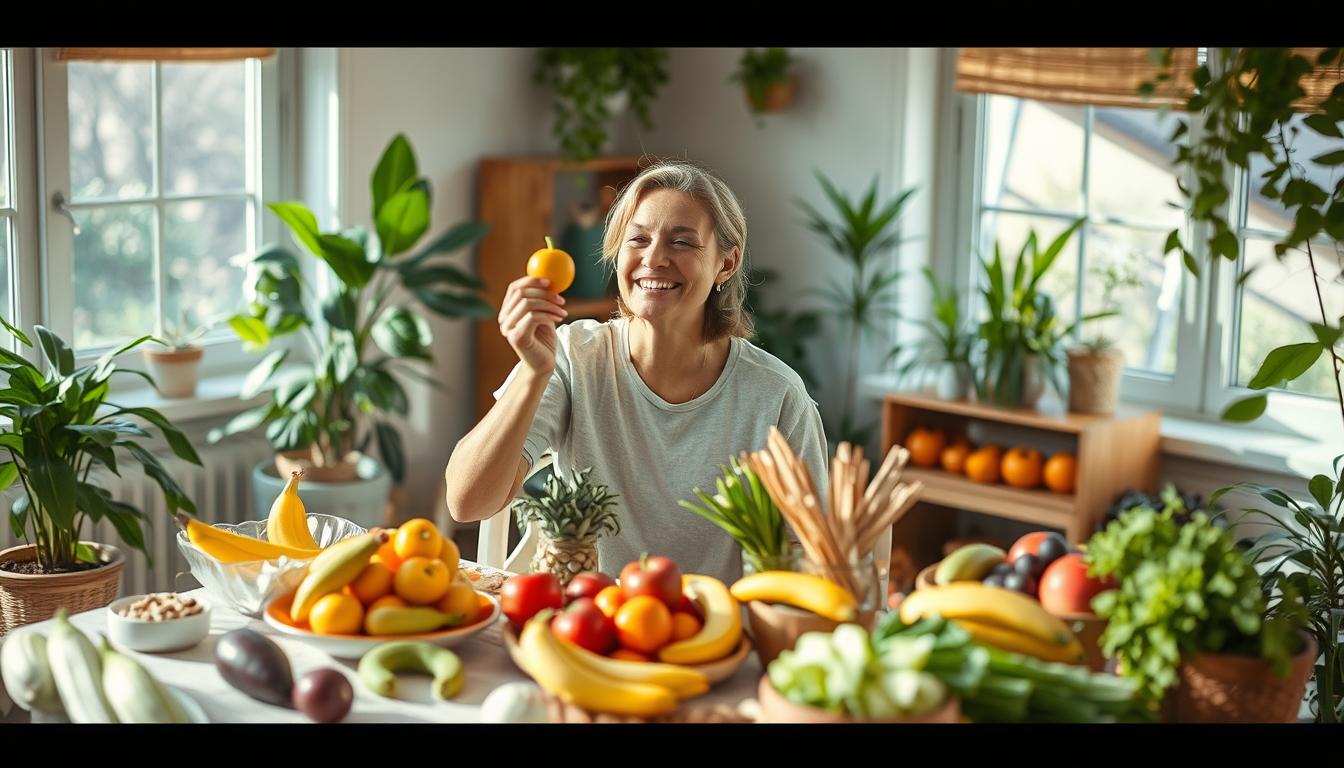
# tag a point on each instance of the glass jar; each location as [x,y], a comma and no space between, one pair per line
[860,577]
[787,561]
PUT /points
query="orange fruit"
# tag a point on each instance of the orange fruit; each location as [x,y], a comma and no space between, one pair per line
[953,457]
[386,601]
[551,263]
[372,583]
[418,538]
[643,624]
[1061,473]
[450,554]
[460,598]
[625,654]
[609,600]
[982,464]
[924,445]
[336,614]
[1021,467]
[388,551]
[422,580]
[684,625]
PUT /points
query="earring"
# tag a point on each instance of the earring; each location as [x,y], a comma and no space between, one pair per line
[718,288]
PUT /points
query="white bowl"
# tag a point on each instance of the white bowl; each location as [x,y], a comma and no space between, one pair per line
[156,636]
[276,616]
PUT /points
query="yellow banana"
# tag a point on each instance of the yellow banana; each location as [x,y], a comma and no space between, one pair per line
[335,567]
[987,605]
[801,590]
[579,685]
[684,683]
[719,635]
[410,620]
[288,522]
[1027,645]
[228,547]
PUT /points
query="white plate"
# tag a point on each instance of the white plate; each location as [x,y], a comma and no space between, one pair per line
[355,646]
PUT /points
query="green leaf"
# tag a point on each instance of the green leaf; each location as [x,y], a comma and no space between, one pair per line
[347,259]
[18,517]
[261,373]
[253,332]
[389,447]
[177,441]
[403,219]
[441,273]
[402,333]
[1247,409]
[454,305]
[1323,125]
[1327,335]
[301,222]
[85,553]
[1285,364]
[1322,490]
[107,433]
[340,311]
[172,492]
[1190,263]
[383,391]
[459,236]
[106,362]
[1330,158]
[17,333]
[1225,244]
[395,170]
[9,472]
[50,480]
[249,419]
[1173,241]
[61,357]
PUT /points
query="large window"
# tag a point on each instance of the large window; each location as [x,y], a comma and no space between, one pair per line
[8,212]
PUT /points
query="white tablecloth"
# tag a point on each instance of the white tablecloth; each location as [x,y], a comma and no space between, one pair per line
[483,655]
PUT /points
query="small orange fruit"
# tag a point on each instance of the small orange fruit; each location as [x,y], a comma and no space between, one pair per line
[372,583]
[551,263]
[924,445]
[422,580]
[460,598]
[643,624]
[388,551]
[386,601]
[953,457]
[418,538]
[336,614]
[450,554]
[1061,473]
[1021,467]
[609,600]
[625,654]
[982,464]
[684,625]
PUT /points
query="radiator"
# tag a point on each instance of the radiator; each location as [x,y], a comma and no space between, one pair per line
[221,490]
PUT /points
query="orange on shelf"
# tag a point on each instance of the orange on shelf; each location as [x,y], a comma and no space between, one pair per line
[1061,473]
[1021,467]
[925,446]
[953,457]
[982,465]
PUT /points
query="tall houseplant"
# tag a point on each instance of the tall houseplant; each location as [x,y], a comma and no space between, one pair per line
[587,86]
[61,427]
[945,351]
[365,336]
[860,233]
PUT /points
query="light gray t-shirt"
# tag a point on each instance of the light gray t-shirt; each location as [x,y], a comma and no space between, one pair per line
[597,412]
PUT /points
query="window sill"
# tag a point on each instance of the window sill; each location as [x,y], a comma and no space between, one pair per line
[215,396]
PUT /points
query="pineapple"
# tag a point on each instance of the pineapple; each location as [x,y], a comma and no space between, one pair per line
[569,516]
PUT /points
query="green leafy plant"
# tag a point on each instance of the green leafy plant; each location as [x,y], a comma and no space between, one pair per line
[56,437]
[360,340]
[1115,276]
[758,70]
[948,338]
[861,232]
[181,334]
[781,332]
[1303,553]
[1183,590]
[583,80]
[744,509]
[574,510]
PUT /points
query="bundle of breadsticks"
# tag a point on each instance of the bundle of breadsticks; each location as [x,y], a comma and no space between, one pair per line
[838,539]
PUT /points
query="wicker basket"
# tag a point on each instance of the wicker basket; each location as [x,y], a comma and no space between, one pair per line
[25,598]
[1224,688]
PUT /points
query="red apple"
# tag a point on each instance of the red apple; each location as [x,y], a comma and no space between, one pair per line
[585,625]
[657,577]
[587,584]
[1066,588]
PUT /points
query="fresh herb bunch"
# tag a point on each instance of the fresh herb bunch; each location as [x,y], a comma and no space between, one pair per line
[744,509]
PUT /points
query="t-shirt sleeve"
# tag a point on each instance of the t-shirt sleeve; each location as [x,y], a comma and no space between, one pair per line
[552,420]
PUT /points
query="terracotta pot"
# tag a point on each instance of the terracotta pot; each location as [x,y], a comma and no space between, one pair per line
[294,461]
[778,97]
[777,709]
[29,598]
[1227,688]
[1094,380]
[175,371]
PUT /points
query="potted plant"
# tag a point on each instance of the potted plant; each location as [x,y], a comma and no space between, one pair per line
[945,352]
[1190,622]
[61,427]
[570,516]
[1095,365]
[362,340]
[768,79]
[177,366]
[590,85]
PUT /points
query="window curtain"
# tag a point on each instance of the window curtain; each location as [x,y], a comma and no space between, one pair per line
[162,54]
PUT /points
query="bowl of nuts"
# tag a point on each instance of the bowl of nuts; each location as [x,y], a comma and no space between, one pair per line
[158,622]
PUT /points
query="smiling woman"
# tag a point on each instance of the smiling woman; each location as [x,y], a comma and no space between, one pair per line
[656,400]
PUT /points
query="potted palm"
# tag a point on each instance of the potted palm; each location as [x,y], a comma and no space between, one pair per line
[362,340]
[61,428]
[177,366]
[768,79]
[946,349]
[589,86]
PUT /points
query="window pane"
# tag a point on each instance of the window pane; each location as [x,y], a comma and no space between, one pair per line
[1269,214]
[6,225]
[4,130]
[114,275]
[1277,303]
[204,127]
[1011,230]
[199,239]
[1145,288]
[1130,174]
[111,130]
[1033,155]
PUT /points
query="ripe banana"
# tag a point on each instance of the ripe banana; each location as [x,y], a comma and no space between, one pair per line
[228,547]
[412,620]
[801,590]
[379,667]
[288,522]
[333,568]
[134,694]
[576,684]
[987,605]
[969,563]
[684,683]
[722,630]
[26,674]
[1017,642]
[78,673]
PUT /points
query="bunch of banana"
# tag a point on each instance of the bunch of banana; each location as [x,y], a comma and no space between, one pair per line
[684,683]
[719,635]
[998,617]
[287,524]
[228,547]
[972,562]
[333,568]
[801,590]
[559,671]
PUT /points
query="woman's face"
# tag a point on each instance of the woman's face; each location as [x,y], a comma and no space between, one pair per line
[669,259]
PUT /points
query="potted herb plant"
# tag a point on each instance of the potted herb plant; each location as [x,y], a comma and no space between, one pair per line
[62,427]
[570,516]
[1095,366]
[768,79]
[590,85]
[363,339]
[945,352]
[177,366]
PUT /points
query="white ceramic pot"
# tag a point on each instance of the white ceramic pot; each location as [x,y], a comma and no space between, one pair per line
[175,371]
[360,501]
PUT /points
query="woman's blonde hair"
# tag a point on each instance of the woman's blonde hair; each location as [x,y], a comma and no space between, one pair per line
[724,312]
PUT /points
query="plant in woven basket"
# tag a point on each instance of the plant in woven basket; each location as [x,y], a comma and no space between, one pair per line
[570,516]
[744,509]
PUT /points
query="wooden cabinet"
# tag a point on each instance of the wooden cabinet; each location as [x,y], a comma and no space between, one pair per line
[523,200]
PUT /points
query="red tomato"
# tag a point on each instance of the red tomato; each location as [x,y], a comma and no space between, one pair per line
[587,584]
[585,625]
[525,594]
[657,577]
[1067,589]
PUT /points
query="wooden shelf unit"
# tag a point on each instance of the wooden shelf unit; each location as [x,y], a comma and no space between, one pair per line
[518,198]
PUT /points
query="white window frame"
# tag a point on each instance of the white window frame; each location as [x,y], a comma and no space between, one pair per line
[24,264]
